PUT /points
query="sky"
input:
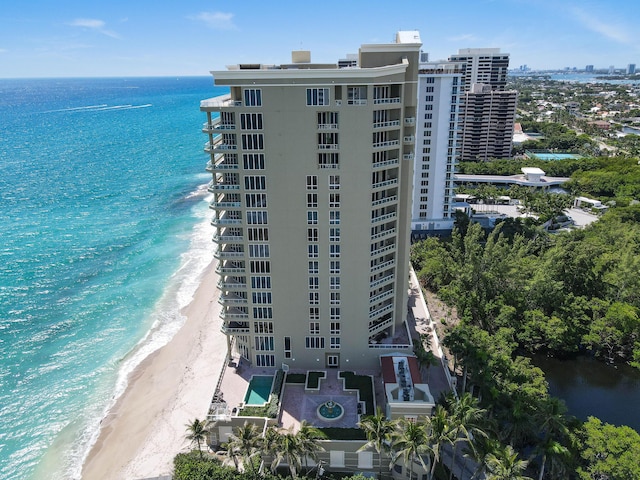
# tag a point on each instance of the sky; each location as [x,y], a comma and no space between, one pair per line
[98,38]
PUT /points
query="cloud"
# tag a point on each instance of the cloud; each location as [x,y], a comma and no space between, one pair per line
[215,20]
[94,24]
[611,31]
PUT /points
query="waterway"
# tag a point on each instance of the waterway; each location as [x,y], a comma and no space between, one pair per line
[590,387]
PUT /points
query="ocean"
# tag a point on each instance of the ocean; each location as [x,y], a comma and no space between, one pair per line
[104,231]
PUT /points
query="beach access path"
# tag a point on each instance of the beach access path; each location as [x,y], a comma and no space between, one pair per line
[146,427]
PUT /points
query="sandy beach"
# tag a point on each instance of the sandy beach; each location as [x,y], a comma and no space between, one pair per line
[146,427]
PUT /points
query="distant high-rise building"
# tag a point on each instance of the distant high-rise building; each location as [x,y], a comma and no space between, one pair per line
[439,94]
[631,69]
[589,68]
[612,69]
[486,118]
[312,168]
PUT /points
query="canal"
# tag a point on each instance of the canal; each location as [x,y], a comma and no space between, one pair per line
[590,387]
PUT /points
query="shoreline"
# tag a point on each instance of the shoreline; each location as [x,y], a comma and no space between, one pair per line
[145,429]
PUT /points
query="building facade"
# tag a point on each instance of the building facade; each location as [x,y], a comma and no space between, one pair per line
[439,93]
[487,109]
[312,170]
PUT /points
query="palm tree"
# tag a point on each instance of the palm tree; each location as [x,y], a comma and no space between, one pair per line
[246,443]
[378,431]
[409,441]
[197,433]
[288,448]
[479,450]
[440,432]
[307,437]
[553,428]
[505,465]
[466,418]
[556,455]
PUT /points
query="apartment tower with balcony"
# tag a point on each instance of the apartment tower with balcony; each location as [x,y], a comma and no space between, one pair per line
[487,110]
[312,170]
[436,153]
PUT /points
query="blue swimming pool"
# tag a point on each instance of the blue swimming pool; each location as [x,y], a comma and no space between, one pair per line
[258,390]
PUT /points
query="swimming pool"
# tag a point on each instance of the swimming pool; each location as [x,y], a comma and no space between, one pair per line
[258,390]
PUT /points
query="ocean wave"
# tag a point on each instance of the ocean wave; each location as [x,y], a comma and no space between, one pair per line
[99,108]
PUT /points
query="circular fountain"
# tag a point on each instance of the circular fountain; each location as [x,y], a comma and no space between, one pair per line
[330,411]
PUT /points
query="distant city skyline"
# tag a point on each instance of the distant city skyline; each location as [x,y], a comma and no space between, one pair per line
[67,38]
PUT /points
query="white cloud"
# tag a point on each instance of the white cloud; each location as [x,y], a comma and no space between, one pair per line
[611,31]
[93,24]
[215,20]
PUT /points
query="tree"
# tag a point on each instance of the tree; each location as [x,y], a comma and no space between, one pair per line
[440,432]
[504,464]
[246,443]
[378,431]
[287,447]
[608,451]
[309,446]
[409,442]
[197,433]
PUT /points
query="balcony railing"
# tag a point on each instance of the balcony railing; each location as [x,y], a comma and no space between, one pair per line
[231,285]
[226,221]
[360,101]
[386,183]
[378,327]
[221,270]
[216,187]
[410,120]
[382,218]
[390,123]
[382,266]
[386,163]
[327,126]
[228,238]
[381,296]
[328,146]
[387,143]
[222,165]
[379,101]
[380,281]
[388,248]
[216,126]
[380,311]
[235,327]
[223,101]
[409,139]
[385,200]
[223,205]
[221,254]
[232,300]
[407,156]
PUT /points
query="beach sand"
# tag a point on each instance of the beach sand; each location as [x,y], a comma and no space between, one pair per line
[146,427]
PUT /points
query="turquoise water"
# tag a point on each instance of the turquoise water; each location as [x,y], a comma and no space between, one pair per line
[104,228]
[258,390]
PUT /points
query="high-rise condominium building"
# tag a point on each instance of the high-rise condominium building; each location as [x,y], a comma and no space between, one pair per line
[487,109]
[631,69]
[439,93]
[312,170]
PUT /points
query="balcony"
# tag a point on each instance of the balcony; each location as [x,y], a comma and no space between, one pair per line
[359,101]
[409,140]
[229,285]
[327,126]
[221,164]
[328,146]
[381,101]
[383,201]
[408,121]
[379,251]
[223,205]
[219,146]
[384,234]
[381,311]
[233,313]
[387,143]
[407,156]
[226,221]
[223,101]
[390,123]
[382,218]
[382,266]
[381,281]
[380,326]
[228,238]
[226,270]
[381,296]
[232,300]
[386,183]
[386,163]
[216,126]
[221,187]
[233,328]
[224,255]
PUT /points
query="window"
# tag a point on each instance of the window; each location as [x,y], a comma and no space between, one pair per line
[334,251]
[263,327]
[430,80]
[314,313]
[314,328]
[312,200]
[260,266]
[253,161]
[314,283]
[334,342]
[256,200]
[264,360]
[255,182]
[312,217]
[312,234]
[334,182]
[287,347]
[335,298]
[257,217]
[261,282]
[257,234]
[312,182]
[334,328]
[334,283]
[317,96]
[314,342]
[313,251]
[357,95]
[334,234]
[253,97]
[260,250]
[251,121]
[334,200]
[428,107]
[334,266]
[263,312]
[428,116]
[334,217]
[429,89]
[314,298]
[252,141]
[264,343]
[327,119]
[313,267]
[428,98]
[335,313]
[328,140]
[328,160]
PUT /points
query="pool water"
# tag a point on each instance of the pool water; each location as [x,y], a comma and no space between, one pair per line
[258,390]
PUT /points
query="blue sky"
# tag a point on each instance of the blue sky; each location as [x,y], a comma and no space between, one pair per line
[64,38]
